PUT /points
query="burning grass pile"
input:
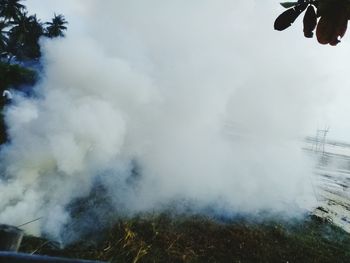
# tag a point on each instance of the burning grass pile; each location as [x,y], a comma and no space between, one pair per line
[198,239]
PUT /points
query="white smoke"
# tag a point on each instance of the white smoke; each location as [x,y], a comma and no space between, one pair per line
[199,94]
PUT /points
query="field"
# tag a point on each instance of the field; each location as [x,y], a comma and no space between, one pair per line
[320,236]
[198,239]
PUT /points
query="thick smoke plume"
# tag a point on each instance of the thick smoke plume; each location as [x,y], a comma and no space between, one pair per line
[158,102]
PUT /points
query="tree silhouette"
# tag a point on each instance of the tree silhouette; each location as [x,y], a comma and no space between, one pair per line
[10,9]
[24,37]
[56,27]
[20,32]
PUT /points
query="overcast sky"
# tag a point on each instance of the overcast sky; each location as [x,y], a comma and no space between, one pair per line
[331,103]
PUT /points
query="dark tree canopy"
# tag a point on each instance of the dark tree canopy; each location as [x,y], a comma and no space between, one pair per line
[56,27]
[20,32]
[3,37]
[10,9]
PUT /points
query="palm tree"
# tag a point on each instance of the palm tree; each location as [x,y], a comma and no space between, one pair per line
[20,33]
[56,27]
[24,36]
[10,9]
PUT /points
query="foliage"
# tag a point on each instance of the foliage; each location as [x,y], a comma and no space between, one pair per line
[24,37]
[56,27]
[10,9]
[330,18]
[162,238]
[20,32]
[15,75]
[3,38]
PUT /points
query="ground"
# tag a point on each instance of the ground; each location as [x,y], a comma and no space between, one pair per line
[163,238]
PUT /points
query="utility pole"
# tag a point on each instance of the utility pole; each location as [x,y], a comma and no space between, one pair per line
[320,140]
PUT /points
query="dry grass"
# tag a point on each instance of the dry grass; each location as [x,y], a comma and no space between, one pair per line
[198,239]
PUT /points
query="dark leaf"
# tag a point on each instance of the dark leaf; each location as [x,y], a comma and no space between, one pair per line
[288,4]
[310,21]
[287,18]
[332,25]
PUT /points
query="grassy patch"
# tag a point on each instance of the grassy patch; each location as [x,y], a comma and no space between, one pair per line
[200,239]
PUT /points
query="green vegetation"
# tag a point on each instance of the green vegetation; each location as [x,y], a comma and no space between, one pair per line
[15,75]
[199,239]
[56,27]
[20,32]
[19,42]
